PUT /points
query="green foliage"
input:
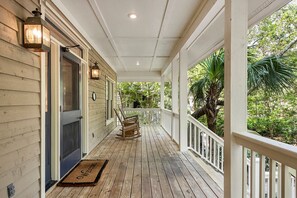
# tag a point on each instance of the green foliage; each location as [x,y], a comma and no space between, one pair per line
[211,73]
[271,78]
[168,95]
[270,74]
[272,34]
[274,116]
[146,93]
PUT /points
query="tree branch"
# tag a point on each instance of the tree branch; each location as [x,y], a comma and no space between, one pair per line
[199,112]
[288,47]
[220,102]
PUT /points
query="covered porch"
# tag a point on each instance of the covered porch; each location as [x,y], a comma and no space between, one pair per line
[149,166]
[169,38]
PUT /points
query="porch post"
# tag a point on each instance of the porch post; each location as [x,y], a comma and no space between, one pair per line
[236,23]
[174,95]
[162,93]
[183,99]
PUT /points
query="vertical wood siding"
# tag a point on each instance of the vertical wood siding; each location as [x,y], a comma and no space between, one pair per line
[19,104]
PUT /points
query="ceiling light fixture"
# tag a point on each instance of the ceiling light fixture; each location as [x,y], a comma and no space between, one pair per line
[132,16]
[137,63]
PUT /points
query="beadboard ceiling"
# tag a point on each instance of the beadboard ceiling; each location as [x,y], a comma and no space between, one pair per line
[146,45]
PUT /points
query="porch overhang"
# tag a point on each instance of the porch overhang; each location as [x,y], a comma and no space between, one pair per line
[139,77]
[156,47]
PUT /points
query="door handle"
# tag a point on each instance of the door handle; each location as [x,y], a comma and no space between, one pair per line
[80,117]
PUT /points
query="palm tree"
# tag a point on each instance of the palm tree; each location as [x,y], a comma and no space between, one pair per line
[269,74]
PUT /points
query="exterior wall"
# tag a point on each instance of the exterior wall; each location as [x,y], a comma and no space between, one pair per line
[19,104]
[97,109]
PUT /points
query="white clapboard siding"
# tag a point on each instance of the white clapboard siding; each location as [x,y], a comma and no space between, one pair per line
[14,68]
[11,129]
[18,157]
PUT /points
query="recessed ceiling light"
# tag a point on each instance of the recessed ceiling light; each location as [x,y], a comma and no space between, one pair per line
[132,16]
[137,63]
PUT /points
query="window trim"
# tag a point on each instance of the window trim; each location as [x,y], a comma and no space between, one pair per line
[112,117]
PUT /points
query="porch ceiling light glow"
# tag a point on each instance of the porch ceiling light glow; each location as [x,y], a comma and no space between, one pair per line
[137,63]
[36,34]
[132,16]
[95,72]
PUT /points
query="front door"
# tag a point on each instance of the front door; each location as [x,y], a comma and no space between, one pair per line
[70,132]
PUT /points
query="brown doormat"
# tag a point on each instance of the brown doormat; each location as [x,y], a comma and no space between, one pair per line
[85,173]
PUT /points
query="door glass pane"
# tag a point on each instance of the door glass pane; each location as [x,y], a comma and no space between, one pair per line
[70,85]
[70,138]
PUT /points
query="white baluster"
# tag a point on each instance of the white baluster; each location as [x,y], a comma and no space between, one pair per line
[195,138]
[244,172]
[262,176]
[253,174]
[210,150]
[279,180]
[272,164]
[207,147]
[215,158]
[199,140]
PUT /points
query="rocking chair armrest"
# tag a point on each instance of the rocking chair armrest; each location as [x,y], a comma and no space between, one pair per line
[129,127]
[129,122]
[133,116]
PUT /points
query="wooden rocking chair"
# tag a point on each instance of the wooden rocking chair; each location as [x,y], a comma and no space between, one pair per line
[130,130]
[133,118]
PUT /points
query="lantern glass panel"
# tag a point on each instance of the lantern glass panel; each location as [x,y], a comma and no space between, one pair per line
[46,37]
[32,34]
[95,73]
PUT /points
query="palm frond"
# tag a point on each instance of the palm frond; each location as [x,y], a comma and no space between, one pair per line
[271,74]
[198,90]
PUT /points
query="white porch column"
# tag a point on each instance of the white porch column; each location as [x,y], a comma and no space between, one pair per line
[175,110]
[174,89]
[162,92]
[183,99]
[236,23]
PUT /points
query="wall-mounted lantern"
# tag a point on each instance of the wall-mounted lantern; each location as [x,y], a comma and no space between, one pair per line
[95,72]
[36,34]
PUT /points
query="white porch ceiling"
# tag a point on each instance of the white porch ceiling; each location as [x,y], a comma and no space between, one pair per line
[161,29]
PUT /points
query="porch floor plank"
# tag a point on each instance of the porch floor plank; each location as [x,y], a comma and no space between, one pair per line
[149,166]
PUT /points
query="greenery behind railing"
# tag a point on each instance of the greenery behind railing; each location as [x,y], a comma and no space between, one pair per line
[145,115]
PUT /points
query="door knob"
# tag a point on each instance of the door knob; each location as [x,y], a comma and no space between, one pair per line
[80,117]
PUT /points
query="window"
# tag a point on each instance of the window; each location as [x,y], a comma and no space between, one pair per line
[109,95]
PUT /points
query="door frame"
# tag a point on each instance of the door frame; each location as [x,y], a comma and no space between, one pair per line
[55,108]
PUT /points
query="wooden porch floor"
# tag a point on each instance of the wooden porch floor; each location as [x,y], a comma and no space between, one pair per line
[149,166]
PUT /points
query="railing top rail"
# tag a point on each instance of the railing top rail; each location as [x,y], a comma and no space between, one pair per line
[205,129]
[281,152]
[141,109]
[167,111]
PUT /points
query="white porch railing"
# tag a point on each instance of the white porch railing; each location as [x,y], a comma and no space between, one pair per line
[146,115]
[205,144]
[166,120]
[170,123]
[271,167]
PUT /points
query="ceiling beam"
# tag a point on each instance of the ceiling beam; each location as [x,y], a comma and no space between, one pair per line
[202,11]
[165,21]
[105,28]
[139,77]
